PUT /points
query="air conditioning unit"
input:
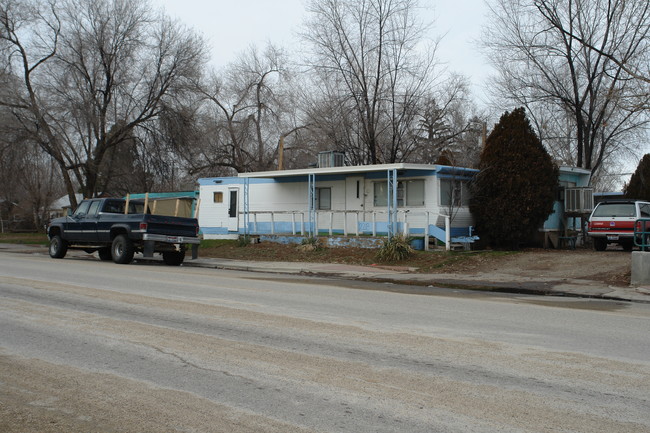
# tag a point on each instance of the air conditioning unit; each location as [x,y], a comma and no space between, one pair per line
[331,159]
[578,200]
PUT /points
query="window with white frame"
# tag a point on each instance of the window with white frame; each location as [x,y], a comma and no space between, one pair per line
[409,193]
[324,198]
[454,192]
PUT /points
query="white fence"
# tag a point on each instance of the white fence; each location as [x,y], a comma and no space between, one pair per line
[348,222]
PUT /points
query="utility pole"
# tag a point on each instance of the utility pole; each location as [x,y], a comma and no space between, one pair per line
[281,153]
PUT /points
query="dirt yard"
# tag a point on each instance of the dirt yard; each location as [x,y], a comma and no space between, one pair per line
[611,267]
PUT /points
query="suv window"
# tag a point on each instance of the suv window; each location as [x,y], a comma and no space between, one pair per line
[615,210]
[645,210]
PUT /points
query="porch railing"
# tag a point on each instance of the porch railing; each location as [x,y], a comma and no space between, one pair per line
[347,222]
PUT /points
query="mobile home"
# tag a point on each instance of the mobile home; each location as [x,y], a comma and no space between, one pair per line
[384,199]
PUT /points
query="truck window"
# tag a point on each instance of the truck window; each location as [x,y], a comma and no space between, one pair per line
[82,209]
[113,206]
[135,207]
[94,206]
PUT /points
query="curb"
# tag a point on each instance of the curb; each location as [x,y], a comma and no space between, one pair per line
[541,288]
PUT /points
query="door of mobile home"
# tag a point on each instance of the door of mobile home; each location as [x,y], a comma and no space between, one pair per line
[233,209]
[354,197]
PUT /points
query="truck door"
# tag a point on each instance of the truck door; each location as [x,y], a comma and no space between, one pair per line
[89,222]
[233,209]
[73,226]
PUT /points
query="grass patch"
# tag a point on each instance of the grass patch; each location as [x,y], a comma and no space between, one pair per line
[24,238]
[217,243]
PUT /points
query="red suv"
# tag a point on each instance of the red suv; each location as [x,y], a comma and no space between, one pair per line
[612,222]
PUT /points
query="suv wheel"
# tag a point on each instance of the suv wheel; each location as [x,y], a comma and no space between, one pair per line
[627,245]
[600,244]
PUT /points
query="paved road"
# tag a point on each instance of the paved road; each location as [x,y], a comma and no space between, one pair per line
[98,347]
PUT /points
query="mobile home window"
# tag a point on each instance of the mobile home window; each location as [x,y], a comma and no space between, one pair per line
[380,194]
[324,196]
[409,192]
[217,197]
[454,192]
[415,193]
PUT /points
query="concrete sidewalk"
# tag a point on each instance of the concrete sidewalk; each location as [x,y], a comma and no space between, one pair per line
[400,275]
[493,281]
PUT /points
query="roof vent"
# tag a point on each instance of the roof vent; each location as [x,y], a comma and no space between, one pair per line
[331,158]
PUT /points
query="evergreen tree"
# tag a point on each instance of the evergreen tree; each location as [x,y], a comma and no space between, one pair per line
[514,192]
[639,186]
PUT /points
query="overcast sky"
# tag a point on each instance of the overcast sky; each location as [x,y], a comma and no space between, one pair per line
[232,26]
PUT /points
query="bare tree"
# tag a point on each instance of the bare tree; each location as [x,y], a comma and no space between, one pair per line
[41,184]
[92,73]
[29,180]
[372,72]
[633,17]
[246,108]
[449,126]
[584,105]
[169,149]
[11,162]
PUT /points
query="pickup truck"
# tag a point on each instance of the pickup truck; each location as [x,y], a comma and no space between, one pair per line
[118,228]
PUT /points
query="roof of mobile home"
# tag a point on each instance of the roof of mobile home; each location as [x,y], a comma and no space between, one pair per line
[439,169]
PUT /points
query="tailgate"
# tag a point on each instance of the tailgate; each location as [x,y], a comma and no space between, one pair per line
[172,226]
[609,225]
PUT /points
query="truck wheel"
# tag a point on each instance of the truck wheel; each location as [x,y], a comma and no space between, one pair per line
[105,254]
[58,247]
[600,244]
[173,258]
[122,250]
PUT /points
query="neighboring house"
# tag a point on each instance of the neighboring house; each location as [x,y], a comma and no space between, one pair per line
[574,204]
[415,199]
[61,206]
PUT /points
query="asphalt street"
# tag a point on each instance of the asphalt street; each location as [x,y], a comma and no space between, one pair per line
[93,346]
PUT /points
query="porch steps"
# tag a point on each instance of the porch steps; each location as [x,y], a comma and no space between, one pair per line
[454,246]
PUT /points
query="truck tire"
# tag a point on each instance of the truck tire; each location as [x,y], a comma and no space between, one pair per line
[105,254]
[600,244]
[122,250]
[58,247]
[173,258]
